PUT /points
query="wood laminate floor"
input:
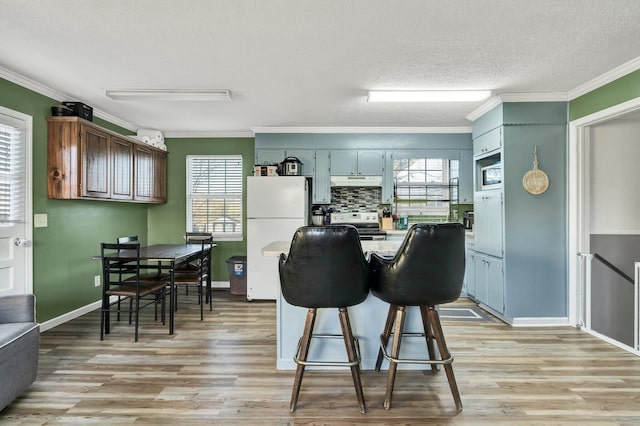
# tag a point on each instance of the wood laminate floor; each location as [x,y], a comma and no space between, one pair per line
[222,371]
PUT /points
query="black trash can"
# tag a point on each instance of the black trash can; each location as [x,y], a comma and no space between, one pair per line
[237,268]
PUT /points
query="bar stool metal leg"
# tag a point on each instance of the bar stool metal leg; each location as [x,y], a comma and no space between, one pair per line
[395,354]
[349,343]
[428,334]
[388,326]
[445,355]
[302,355]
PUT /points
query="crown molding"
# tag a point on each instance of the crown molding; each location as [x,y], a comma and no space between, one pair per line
[515,97]
[534,97]
[197,135]
[361,129]
[490,104]
[606,78]
[47,91]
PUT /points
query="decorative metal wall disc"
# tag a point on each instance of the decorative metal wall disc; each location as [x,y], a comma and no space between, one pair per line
[535,181]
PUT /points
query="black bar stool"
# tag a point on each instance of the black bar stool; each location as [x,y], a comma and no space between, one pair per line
[326,268]
[427,270]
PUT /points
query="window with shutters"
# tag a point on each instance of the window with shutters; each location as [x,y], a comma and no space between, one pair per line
[214,195]
[12,169]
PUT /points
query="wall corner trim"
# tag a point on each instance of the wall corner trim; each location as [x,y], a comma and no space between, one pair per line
[606,78]
[515,97]
[59,96]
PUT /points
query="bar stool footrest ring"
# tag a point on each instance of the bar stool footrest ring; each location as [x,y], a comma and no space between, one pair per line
[356,345]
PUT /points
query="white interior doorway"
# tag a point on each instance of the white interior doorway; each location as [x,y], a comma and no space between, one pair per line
[604,229]
[16,276]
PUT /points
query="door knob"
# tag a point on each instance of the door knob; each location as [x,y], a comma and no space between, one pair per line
[21,242]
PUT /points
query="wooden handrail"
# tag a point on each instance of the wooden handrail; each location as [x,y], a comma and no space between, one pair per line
[613,268]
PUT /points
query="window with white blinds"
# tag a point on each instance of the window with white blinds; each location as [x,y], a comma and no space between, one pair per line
[214,195]
[422,186]
[12,168]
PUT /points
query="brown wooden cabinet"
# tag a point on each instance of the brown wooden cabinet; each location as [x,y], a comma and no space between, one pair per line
[88,161]
[151,175]
[122,155]
[159,177]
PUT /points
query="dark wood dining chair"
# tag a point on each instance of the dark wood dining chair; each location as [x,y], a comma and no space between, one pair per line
[121,278]
[196,272]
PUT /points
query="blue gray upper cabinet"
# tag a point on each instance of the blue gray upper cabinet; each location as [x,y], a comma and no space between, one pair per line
[275,156]
[357,162]
[306,157]
[269,156]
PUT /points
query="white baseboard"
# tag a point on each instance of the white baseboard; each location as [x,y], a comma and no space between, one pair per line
[529,321]
[220,284]
[612,341]
[47,325]
[69,316]
[540,322]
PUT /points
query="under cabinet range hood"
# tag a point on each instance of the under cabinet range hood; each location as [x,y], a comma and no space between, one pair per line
[356,181]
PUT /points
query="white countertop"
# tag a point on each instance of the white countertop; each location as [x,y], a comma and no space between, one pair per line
[387,248]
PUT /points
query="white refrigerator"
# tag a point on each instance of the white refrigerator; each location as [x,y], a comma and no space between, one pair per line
[276,207]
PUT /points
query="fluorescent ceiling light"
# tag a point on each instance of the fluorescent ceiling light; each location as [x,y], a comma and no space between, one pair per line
[168,94]
[427,95]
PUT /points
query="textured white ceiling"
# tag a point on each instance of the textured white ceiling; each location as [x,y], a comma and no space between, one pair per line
[309,63]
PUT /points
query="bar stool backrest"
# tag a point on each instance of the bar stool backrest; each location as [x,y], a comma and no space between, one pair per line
[428,268]
[325,268]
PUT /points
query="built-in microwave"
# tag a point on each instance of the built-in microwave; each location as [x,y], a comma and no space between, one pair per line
[491,176]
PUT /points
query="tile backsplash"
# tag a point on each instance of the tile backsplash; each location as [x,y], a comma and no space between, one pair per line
[355,198]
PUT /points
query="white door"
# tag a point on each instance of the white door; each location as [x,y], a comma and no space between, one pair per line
[15,203]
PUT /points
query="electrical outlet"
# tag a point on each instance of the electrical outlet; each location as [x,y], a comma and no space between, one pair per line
[96,281]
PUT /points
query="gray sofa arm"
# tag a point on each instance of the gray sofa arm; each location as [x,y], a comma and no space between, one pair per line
[18,308]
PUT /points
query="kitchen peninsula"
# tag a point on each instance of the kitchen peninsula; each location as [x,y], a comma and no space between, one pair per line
[367,320]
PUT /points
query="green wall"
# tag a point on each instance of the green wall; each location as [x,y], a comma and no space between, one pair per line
[63,272]
[168,222]
[614,93]
[62,267]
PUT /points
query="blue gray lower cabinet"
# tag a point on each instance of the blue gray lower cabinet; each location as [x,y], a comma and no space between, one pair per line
[367,321]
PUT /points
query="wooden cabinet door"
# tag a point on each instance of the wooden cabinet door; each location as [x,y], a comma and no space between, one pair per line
[487,143]
[387,179]
[159,191]
[121,169]
[470,273]
[143,160]
[370,163]
[465,190]
[495,280]
[481,279]
[94,163]
[488,226]
[269,156]
[321,180]
[344,162]
[306,157]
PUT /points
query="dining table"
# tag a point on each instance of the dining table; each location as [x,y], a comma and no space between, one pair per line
[165,257]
